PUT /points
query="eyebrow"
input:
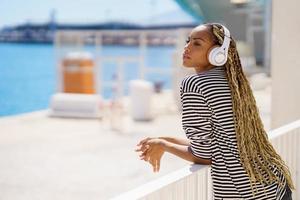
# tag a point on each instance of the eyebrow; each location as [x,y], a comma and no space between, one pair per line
[198,38]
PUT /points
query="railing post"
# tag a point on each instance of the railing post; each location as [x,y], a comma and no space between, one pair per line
[297,176]
[143,44]
[98,59]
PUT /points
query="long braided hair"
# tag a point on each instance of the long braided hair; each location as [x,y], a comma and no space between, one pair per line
[258,156]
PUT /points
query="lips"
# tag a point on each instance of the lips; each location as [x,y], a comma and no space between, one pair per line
[185,56]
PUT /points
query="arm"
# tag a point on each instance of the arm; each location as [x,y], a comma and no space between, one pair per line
[196,121]
[184,153]
[153,149]
[176,140]
[197,125]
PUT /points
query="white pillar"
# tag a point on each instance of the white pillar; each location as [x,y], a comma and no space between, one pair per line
[285,62]
[268,35]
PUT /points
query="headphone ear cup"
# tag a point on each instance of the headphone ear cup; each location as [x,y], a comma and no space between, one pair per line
[217,57]
[211,55]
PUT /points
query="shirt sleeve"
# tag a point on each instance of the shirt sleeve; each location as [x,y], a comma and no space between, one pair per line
[196,122]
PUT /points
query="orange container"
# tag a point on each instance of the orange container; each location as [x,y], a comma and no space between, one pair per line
[78,74]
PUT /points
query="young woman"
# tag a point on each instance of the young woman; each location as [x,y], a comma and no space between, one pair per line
[222,123]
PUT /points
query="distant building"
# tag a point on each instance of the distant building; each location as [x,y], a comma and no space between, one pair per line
[44,33]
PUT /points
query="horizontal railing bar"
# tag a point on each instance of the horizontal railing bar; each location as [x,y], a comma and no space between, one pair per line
[284,129]
[158,70]
[119,58]
[119,32]
[159,183]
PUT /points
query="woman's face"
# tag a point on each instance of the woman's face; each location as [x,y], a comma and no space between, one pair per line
[196,49]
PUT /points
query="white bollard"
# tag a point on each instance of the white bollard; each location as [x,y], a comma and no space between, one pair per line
[141,93]
[76,105]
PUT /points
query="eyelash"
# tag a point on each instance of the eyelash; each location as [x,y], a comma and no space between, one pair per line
[188,40]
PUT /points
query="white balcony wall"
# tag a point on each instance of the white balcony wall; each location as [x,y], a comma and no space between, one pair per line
[285,62]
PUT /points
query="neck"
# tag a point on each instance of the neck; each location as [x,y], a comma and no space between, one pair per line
[203,69]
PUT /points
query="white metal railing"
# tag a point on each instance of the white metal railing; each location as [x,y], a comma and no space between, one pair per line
[286,140]
[193,182]
[75,40]
[190,182]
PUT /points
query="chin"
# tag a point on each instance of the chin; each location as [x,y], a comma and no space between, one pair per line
[187,65]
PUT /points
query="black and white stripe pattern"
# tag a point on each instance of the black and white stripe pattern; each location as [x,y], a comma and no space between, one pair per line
[207,119]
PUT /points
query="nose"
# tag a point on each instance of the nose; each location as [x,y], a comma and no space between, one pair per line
[186,47]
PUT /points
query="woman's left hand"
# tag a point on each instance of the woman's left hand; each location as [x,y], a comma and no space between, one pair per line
[152,151]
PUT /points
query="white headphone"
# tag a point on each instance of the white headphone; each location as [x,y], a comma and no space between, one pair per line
[218,55]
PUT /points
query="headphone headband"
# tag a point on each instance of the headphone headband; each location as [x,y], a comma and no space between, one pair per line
[218,55]
[226,39]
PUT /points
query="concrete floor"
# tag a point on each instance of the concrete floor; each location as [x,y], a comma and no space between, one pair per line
[57,158]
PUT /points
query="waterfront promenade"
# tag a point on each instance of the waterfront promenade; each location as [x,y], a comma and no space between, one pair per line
[59,158]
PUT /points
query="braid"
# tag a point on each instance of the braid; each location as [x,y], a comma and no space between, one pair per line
[256,151]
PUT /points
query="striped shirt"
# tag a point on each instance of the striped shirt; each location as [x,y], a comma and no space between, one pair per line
[207,119]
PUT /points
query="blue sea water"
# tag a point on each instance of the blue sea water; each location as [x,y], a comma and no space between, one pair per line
[28,73]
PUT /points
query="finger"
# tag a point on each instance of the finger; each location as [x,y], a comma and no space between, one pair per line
[146,147]
[143,148]
[138,149]
[140,143]
[143,155]
[143,141]
[157,165]
[152,162]
[147,157]
[143,158]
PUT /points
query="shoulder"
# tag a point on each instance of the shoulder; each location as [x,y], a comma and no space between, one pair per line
[190,83]
[201,81]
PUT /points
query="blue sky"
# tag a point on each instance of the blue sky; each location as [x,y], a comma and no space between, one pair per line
[13,12]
